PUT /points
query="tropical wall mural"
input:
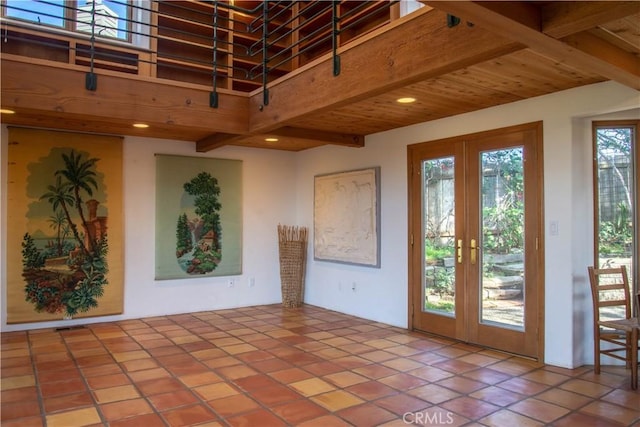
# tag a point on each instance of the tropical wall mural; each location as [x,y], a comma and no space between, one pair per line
[198,217]
[65,225]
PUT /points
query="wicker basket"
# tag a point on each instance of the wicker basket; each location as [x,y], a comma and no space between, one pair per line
[292,245]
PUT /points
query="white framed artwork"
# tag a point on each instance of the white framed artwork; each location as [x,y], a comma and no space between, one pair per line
[346,217]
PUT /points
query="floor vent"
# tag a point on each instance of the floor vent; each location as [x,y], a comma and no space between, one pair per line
[69,328]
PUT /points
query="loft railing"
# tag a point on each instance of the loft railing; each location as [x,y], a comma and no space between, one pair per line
[240,46]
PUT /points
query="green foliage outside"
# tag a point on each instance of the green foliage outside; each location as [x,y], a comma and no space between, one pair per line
[504,229]
[503,218]
[447,306]
[614,147]
[437,252]
[616,237]
[440,281]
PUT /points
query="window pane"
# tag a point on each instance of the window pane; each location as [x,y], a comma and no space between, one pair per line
[502,254]
[616,197]
[48,13]
[439,236]
[111,17]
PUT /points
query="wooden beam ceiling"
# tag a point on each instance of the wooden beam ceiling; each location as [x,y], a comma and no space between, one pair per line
[420,48]
[287,138]
[500,52]
[118,97]
[565,18]
[576,48]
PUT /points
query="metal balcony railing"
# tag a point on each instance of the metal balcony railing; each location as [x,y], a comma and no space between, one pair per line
[241,45]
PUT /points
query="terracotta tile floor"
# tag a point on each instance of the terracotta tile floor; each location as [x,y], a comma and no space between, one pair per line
[270,366]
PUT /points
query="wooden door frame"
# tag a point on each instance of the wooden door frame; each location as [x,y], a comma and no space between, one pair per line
[414,256]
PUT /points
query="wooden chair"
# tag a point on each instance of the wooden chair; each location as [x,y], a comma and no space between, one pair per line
[611,302]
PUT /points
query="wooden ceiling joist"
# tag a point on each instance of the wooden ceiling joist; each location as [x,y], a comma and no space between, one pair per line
[216,140]
[608,61]
[118,98]
[561,19]
[348,140]
[420,48]
[288,138]
[500,52]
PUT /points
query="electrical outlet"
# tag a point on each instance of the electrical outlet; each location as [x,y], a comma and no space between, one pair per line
[252,282]
[230,283]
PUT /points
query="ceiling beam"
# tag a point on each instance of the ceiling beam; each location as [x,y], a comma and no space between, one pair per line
[348,140]
[217,140]
[118,97]
[560,19]
[597,47]
[609,62]
[416,49]
[289,136]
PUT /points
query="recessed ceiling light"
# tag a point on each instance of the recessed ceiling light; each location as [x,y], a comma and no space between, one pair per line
[407,100]
[271,139]
[7,111]
[140,125]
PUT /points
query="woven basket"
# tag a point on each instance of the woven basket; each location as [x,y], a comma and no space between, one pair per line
[292,245]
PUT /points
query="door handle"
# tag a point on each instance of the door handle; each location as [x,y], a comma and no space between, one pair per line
[474,250]
[459,250]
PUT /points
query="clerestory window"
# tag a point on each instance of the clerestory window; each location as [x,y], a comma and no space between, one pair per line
[123,20]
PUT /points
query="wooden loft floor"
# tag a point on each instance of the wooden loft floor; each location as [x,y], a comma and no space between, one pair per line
[500,52]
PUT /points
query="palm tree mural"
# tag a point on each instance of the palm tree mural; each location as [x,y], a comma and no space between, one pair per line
[73,283]
[60,197]
[80,175]
[57,221]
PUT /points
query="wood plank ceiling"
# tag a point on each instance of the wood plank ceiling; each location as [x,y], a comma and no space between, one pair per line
[501,52]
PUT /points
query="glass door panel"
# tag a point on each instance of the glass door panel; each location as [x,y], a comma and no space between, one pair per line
[502,229]
[439,236]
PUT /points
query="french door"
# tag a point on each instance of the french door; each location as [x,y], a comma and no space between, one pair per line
[475,215]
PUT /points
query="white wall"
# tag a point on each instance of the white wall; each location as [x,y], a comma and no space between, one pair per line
[278,188]
[268,199]
[382,294]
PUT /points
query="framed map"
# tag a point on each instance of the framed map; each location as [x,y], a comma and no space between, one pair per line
[346,217]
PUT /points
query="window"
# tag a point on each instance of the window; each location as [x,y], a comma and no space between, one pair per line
[107,18]
[110,19]
[408,6]
[616,196]
[51,13]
